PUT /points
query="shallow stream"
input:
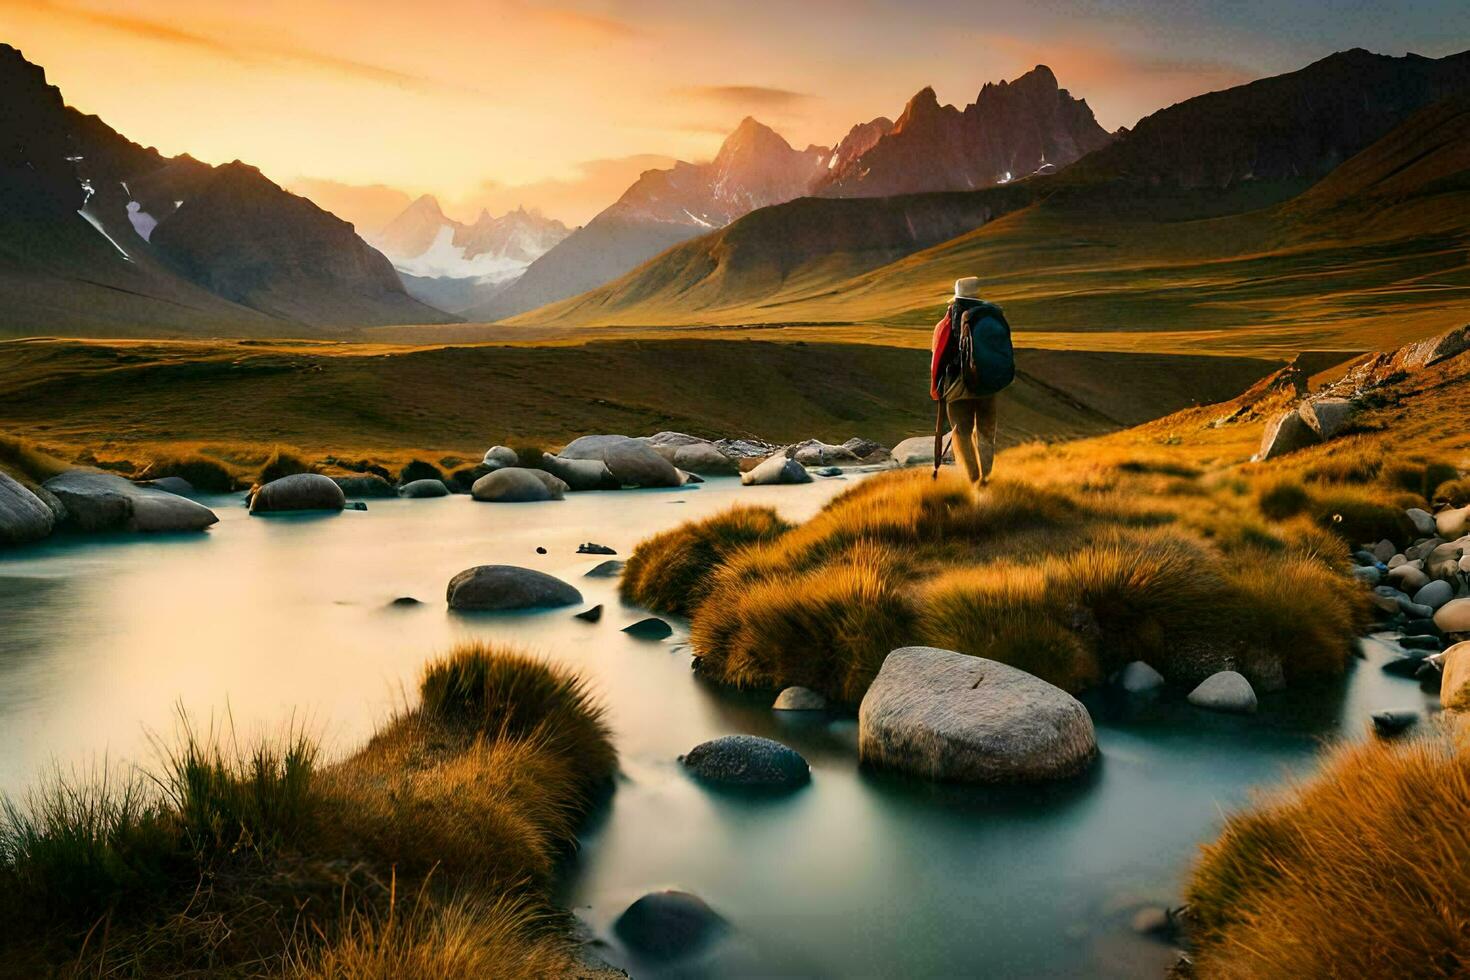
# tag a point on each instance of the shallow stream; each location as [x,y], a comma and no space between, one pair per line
[102,640]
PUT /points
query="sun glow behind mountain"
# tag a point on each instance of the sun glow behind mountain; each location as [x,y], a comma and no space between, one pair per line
[559,106]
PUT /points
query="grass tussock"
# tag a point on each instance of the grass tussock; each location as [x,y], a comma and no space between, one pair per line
[256,857]
[28,462]
[1134,560]
[1360,871]
[203,472]
[1453,493]
[672,572]
[282,462]
[418,469]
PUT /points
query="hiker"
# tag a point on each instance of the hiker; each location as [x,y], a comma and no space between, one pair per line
[972,361]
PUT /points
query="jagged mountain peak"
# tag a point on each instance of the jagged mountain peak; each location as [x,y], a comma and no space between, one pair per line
[921,110]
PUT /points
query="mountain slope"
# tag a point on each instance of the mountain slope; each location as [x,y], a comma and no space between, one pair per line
[754,168]
[1012,129]
[100,234]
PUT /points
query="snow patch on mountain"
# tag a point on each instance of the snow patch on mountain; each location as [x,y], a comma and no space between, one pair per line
[143,222]
[445,260]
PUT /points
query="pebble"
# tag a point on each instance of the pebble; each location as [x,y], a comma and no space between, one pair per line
[1386,723]
[651,628]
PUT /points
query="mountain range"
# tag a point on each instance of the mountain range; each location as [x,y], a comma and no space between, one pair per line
[99,234]
[1013,129]
[1327,204]
[453,266]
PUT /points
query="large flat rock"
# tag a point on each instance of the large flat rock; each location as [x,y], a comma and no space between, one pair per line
[24,517]
[107,502]
[947,716]
[497,587]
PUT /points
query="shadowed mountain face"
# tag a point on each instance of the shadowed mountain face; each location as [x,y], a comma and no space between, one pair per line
[1012,130]
[1297,126]
[99,233]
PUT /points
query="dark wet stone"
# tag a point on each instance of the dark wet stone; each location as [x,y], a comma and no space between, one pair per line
[1407,665]
[1393,722]
[1431,643]
[668,925]
[592,615]
[540,550]
[611,568]
[593,548]
[405,600]
[651,628]
[748,761]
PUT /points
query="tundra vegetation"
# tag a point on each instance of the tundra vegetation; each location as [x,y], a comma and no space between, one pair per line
[428,852]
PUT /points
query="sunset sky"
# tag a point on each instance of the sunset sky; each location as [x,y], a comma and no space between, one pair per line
[363,103]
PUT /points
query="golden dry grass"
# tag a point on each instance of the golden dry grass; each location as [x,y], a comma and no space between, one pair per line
[1359,871]
[671,572]
[263,861]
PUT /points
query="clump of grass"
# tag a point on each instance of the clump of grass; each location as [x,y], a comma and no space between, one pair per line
[1360,515]
[828,628]
[418,469]
[461,939]
[282,462]
[1360,871]
[1008,613]
[1299,610]
[203,472]
[1347,461]
[1283,498]
[28,462]
[258,860]
[1417,477]
[672,572]
[1452,493]
[77,848]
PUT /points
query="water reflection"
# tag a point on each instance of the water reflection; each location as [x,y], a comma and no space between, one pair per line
[859,874]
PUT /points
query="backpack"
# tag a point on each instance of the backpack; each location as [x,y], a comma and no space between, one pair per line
[983,352]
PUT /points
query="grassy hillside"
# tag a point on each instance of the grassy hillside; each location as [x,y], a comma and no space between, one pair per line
[1372,256]
[125,398]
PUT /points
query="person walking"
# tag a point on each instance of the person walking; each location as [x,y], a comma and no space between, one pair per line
[972,360]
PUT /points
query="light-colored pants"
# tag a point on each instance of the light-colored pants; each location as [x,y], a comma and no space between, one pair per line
[972,427]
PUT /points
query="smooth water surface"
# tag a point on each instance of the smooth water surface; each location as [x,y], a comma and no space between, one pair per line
[102,641]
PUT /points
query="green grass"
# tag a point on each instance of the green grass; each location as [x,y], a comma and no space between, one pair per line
[257,858]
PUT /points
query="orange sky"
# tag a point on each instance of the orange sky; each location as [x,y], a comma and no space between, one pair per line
[559,105]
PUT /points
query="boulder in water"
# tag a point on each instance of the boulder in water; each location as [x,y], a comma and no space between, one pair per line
[1454,690]
[580,474]
[947,716]
[1389,723]
[421,489]
[748,761]
[299,491]
[1227,691]
[814,452]
[704,459]
[1138,678]
[493,587]
[107,502]
[636,464]
[611,568]
[651,628]
[799,699]
[24,517]
[593,548]
[367,486]
[170,484]
[512,485]
[776,470]
[592,615]
[668,925]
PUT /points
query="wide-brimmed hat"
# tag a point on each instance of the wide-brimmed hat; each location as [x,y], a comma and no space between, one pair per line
[967,288]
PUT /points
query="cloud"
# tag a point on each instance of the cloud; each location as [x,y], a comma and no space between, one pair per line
[578,22]
[758,97]
[369,207]
[248,52]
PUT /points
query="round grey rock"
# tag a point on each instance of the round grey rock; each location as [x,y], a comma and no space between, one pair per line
[947,716]
[24,517]
[580,474]
[1435,594]
[668,925]
[1422,520]
[422,489]
[171,484]
[499,457]
[1226,691]
[515,485]
[774,471]
[495,587]
[299,491]
[704,459]
[1139,678]
[591,447]
[748,761]
[611,568]
[366,487]
[637,464]
[799,699]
